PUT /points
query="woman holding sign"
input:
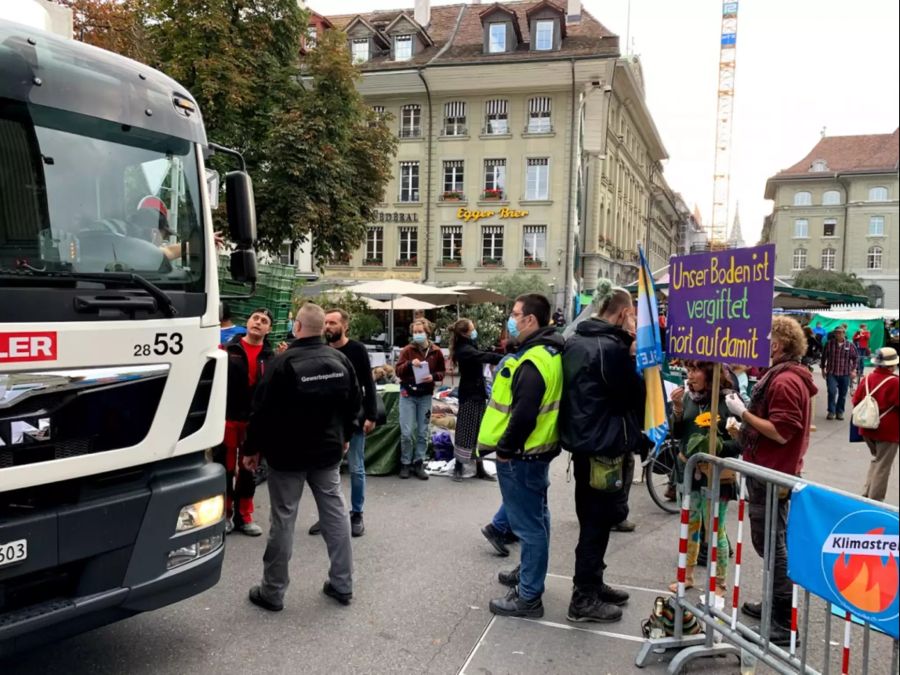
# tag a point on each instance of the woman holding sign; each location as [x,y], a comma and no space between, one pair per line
[419,366]
[691,424]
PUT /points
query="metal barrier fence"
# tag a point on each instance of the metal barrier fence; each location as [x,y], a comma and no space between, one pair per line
[724,633]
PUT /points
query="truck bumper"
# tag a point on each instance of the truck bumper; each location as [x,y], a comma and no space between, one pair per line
[104,557]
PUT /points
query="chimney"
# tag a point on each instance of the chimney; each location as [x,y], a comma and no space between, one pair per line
[573,11]
[423,12]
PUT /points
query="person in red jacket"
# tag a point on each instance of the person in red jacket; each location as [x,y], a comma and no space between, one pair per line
[419,366]
[775,435]
[861,339]
[884,386]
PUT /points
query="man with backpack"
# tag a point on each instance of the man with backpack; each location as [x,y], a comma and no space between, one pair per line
[876,413]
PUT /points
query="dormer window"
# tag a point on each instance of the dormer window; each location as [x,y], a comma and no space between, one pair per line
[360,50]
[496,38]
[403,47]
[819,166]
[543,35]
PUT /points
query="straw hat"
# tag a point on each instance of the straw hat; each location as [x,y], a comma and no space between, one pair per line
[886,356]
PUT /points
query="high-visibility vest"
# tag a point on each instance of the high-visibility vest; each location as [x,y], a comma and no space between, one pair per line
[545,436]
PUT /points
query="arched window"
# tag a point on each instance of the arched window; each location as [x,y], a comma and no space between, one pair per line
[799,259]
[831,197]
[828,259]
[803,199]
[873,259]
[878,194]
[876,295]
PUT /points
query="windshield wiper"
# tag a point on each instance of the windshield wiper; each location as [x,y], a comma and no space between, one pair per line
[163,301]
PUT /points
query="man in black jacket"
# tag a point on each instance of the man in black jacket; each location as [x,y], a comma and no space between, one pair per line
[248,355]
[337,324]
[303,416]
[600,424]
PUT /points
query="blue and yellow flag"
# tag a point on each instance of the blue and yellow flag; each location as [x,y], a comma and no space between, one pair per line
[650,355]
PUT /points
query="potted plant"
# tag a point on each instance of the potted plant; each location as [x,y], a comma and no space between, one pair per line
[492,194]
[408,262]
[451,262]
[534,263]
[452,196]
[491,262]
[373,261]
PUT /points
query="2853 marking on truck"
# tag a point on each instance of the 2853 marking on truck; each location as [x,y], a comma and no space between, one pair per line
[31,346]
[163,343]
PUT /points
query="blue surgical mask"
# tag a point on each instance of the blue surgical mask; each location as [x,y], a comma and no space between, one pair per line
[473,335]
[512,328]
[419,338]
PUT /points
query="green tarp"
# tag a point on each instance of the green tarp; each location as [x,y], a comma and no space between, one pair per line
[876,328]
[383,444]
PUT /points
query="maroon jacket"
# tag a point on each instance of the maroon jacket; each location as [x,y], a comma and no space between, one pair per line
[888,399]
[435,358]
[786,405]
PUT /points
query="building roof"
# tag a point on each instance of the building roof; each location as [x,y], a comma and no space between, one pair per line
[871,153]
[458,36]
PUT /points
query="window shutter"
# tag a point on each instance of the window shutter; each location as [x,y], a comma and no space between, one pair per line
[455,109]
[497,107]
[539,104]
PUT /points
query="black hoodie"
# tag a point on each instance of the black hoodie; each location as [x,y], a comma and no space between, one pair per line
[527,392]
[602,409]
[239,400]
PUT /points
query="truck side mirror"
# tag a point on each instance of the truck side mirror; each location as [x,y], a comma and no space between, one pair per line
[243,265]
[241,209]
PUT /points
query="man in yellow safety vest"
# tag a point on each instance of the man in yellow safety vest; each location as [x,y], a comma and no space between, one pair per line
[520,425]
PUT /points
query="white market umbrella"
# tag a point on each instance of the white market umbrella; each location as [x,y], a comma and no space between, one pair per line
[391,289]
[401,303]
[476,295]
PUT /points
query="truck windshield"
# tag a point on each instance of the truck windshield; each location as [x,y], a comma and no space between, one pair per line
[80,194]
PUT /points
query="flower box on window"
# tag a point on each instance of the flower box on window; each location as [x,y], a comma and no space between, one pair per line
[452,196]
[451,262]
[495,193]
[534,263]
[373,262]
[408,262]
[491,262]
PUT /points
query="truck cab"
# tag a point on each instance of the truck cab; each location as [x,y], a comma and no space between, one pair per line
[112,385]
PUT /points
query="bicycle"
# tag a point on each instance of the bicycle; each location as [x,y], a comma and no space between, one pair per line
[660,474]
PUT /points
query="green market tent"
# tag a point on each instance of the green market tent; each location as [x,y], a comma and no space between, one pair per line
[873,318]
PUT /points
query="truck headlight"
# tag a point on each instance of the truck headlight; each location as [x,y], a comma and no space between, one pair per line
[198,549]
[200,514]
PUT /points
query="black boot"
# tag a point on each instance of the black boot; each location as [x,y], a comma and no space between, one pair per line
[587,606]
[457,471]
[513,605]
[613,596]
[419,470]
[510,578]
[481,473]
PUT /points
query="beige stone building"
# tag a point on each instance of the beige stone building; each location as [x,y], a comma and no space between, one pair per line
[501,112]
[837,209]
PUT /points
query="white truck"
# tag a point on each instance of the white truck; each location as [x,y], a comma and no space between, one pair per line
[112,386]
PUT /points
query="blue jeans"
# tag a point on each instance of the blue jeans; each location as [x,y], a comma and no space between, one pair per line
[524,485]
[500,521]
[837,393]
[415,413]
[356,462]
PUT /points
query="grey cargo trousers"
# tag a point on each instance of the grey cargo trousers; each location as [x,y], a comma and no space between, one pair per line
[285,490]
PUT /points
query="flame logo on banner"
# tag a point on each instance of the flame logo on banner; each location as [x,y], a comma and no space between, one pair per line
[866,581]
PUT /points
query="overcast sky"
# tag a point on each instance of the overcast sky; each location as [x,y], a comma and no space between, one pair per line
[801,65]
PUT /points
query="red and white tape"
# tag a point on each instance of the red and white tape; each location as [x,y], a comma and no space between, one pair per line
[794,594]
[845,662]
[682,542]
[738,552]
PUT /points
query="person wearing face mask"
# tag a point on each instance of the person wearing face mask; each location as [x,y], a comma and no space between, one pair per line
[520,426]
[337,324]
[471,360]
[775,435]
[601,422]
[415,397]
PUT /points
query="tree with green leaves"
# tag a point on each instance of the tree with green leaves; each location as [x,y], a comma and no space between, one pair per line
[330,160]
[827,280]
[489,318]
[518,283]
[319,157]
[364,323]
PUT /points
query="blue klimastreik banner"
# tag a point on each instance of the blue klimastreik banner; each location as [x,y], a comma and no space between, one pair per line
[845,551]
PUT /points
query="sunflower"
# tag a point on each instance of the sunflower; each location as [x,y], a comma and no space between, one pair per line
[704,420]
